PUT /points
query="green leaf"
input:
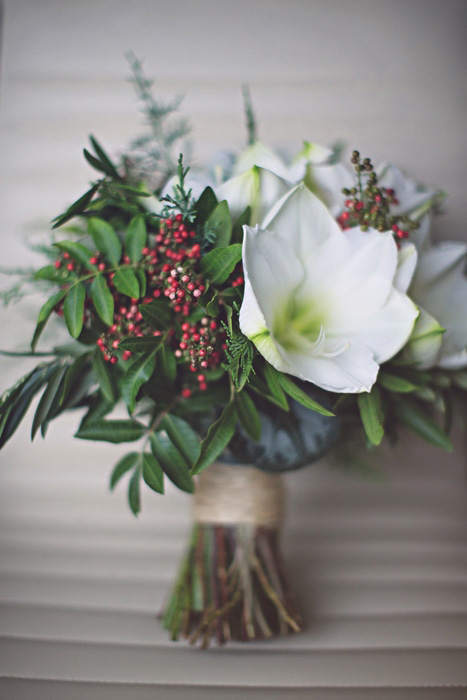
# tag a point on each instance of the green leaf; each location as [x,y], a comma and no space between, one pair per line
[112,431]
[137,374]
[77,207]
[231,295]
[392,382]
[18,402]
[73,375]
[105,376]
[126,282]
[44,315]
[212,307]
[141,277]
[219,263]
[94,162]
[157,314]
[106,240]
[168,363]
[134,496]
[183,437]
[123,466]
[136,238]
[272,377]
[369,405]
[47,399]
[259,387]
[220,222]
[10,395]
[98,408]
[78,252]
[243,220]
[152,473]
[172,461]
[412,415]
[103,299]
[51,274]
[143,344]
[299,395]
[73,309]
[104,159]
[133,190]
[248,415]
[206,204]
[218,437]
[460,379]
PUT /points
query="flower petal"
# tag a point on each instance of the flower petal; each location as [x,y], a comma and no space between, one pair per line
[424,343]
[351,371]
[388,330]
[411,198]
[440,286]
[272,269]
[302,219]
[262,156]
[257,188]
[406,263]
[356,283]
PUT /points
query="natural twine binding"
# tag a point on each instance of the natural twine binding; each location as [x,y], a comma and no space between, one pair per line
[235,494]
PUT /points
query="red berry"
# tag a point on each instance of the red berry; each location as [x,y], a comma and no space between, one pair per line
[57,264]
[113,360]
[186,393]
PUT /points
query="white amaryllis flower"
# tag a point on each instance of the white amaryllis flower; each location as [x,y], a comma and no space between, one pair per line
[261,176]
[439,286]
[320,303]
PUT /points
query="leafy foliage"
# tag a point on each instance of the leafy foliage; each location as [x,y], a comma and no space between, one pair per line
[152,300]
[240,354]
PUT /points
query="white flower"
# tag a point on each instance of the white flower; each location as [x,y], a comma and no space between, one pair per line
[261,176]
[319,303]
[257,188]
[411,197]
[439,286]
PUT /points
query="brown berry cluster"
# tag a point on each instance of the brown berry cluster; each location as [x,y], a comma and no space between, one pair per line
[369,205]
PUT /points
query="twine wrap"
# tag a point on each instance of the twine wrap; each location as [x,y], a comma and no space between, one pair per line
[235,494]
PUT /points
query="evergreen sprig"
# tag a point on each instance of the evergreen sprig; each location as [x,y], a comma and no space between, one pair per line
[151,156]
[182,200]
[240,354]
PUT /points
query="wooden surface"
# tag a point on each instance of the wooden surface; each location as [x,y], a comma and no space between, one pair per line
[380,568]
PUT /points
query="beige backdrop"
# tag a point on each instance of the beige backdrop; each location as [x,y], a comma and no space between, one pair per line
[380,568]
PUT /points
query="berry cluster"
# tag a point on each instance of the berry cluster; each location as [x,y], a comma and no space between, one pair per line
[171,271]
[369,205]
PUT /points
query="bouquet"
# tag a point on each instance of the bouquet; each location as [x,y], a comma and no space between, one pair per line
[250,318]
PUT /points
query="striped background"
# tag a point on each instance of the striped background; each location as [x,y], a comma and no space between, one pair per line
[380,568]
